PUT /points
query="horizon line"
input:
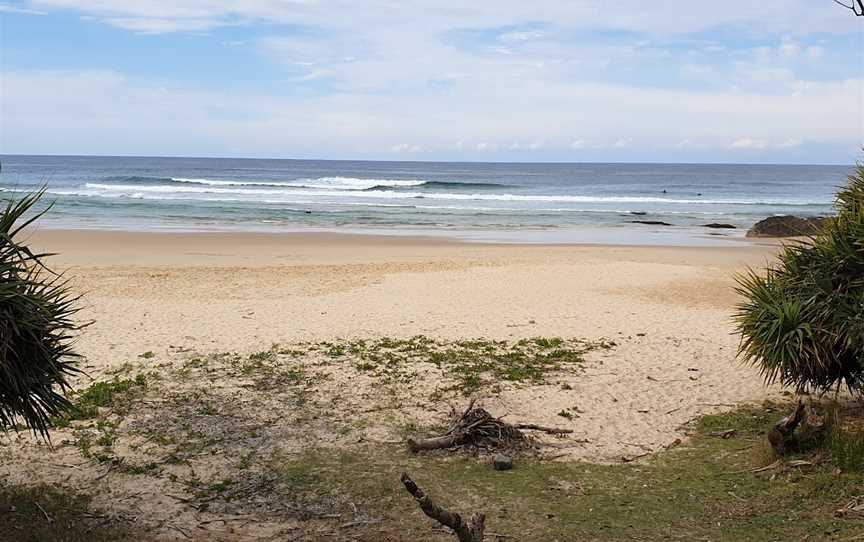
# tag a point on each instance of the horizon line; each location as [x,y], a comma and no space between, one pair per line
[556,162]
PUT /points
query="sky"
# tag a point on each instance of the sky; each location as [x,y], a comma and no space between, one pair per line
[741,81]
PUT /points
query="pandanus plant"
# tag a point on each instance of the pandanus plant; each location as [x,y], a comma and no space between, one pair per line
[802,320]
[37,327]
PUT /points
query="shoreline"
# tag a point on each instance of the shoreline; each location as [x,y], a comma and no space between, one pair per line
[128,246]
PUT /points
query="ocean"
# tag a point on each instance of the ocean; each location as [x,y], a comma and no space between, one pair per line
[500,202]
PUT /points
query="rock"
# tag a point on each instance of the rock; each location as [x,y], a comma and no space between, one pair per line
[719,226]
[638,213]
[502,462]
[786,226]
[651,222]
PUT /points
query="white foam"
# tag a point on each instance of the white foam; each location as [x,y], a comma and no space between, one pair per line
[326,183]
[248,191]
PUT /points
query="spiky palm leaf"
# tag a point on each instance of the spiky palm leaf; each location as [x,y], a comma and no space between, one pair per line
[802,321]
[37,327]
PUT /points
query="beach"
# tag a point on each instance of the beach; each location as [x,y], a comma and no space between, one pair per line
[234,383]
[668,309]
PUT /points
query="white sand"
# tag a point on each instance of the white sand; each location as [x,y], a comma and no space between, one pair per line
[668,308]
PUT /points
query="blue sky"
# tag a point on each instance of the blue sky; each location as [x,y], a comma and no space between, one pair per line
[579,80]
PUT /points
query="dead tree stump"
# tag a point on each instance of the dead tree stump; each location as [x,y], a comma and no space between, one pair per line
[782,435]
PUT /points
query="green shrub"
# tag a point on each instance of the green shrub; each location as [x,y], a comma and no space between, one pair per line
[802,321]
[36,328]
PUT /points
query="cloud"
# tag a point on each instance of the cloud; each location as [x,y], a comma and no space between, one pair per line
[5,8]
[790,143]
[520,36]
[405,147]
[532,146]
[496,76]
[749,144]
[789,50]
[142,25]
[96,108]
[815,52]
[667,16]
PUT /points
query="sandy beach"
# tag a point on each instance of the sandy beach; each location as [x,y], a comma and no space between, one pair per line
[667,309]
[236,356]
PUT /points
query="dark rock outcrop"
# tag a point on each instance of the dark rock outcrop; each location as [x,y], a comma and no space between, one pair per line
[650,222]
[786,226]
[719,226]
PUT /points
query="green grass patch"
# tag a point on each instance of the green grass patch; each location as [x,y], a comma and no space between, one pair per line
[710,488]
[87,402]
[473,364]
[41,513]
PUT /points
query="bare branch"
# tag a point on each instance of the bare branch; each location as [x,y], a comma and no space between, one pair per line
[472,531]
[857,6]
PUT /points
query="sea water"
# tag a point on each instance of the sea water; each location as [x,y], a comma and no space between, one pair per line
[526,202]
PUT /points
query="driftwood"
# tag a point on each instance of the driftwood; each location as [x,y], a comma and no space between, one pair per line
[782,435]
[472,531]
[476,428]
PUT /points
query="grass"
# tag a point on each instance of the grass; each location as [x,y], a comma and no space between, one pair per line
[40,513]
[709,489]
[98,395]
[844,440]
[202,445]
[473,365]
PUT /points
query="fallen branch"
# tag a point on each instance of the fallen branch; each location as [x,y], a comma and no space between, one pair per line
[549,430]
[476,428]
[465,532]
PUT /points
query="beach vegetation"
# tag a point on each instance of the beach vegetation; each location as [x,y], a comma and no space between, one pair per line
[802,320]
[37,326]
[88,401]
[46,512]
[298,452]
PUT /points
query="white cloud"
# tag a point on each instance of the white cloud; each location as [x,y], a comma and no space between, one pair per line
[5,8]
[695,70]
[518,36]
[532,146]
[748,143]
[389,79]
[789,17]
[790,143]
[143,25]
[815,52]
[96,108]
[405,147]
[789,50]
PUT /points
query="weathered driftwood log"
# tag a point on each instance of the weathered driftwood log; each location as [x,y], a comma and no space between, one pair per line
[476,428]
[472,531]
[782,435]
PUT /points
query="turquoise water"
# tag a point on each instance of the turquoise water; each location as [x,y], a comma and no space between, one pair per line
[482,201]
